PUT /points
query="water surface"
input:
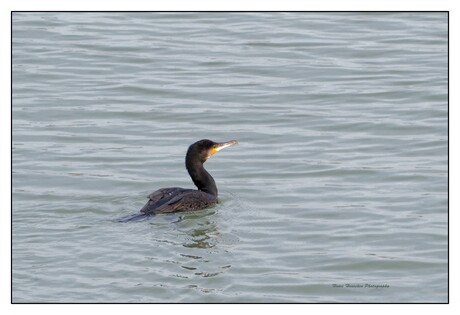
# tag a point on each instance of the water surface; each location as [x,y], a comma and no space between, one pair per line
[339,180]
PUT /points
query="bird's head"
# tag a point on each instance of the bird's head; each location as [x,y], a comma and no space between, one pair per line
[205,148]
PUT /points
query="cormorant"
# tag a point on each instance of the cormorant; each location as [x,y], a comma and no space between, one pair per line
[175,199]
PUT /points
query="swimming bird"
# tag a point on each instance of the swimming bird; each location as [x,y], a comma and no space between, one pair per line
[175,199]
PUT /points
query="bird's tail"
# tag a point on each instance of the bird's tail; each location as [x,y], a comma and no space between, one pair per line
[136,217]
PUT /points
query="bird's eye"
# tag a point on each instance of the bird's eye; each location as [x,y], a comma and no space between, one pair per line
[214,146]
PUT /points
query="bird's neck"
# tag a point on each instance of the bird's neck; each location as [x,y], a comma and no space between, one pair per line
[201,178]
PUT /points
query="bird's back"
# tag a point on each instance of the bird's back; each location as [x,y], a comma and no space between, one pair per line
[174,199]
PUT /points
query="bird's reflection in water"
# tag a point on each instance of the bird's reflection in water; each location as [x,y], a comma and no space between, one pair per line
[194,250]
[201,232]
[202,256]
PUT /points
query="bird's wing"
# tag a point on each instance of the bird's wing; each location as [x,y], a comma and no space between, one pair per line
[163,193]
[187,200]
[161,197]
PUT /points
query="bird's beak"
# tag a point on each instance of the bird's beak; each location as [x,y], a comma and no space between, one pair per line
[219,146]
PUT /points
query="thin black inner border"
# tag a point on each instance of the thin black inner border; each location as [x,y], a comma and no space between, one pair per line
[217,11]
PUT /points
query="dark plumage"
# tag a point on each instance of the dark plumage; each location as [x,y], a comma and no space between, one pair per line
[174,199]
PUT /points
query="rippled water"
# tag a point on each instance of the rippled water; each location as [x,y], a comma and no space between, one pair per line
[339,180]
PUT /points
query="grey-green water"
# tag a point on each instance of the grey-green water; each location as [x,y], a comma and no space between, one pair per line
[339,180]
